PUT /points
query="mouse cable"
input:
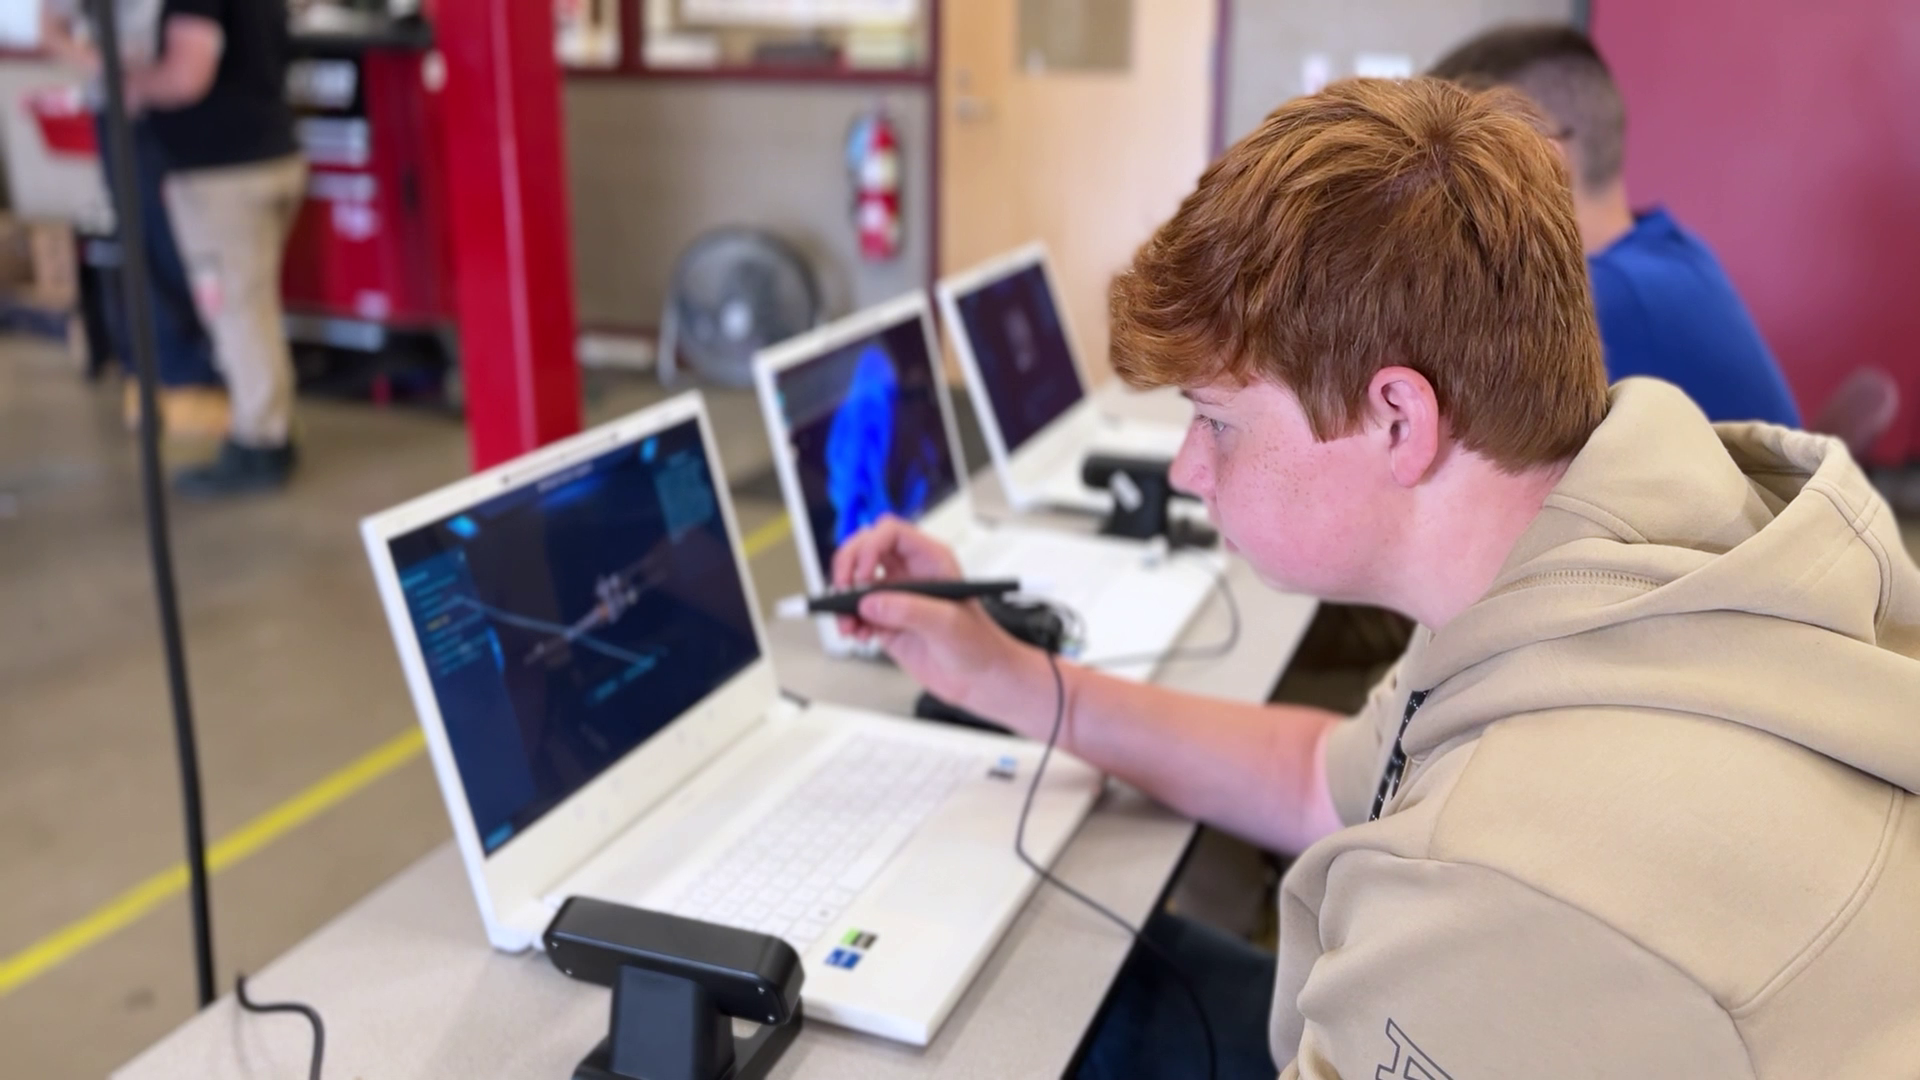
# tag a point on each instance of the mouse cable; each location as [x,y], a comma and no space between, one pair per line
[308,1011]
[1046,875]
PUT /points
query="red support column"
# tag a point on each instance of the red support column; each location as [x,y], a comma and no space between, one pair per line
[508,224]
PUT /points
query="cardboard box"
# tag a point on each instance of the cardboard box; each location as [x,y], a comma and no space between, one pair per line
[38,265]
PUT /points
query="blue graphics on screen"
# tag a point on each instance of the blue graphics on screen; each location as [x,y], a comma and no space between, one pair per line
[565,623]
[868,434]
[686,493]
[1021,348]
[860,450]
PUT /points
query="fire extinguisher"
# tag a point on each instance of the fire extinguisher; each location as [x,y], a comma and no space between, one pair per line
[873,159]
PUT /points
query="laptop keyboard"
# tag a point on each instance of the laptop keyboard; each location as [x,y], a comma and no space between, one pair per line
[796,871]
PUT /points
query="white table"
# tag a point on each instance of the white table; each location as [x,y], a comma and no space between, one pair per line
[409,988]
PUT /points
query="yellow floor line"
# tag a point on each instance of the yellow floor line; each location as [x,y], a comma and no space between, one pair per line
[63,944]
[764,537]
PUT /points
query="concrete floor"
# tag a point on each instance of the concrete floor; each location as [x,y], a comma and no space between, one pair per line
[294,677]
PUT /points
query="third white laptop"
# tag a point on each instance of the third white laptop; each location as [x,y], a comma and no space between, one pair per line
[861,425]
[580,637]
[1024,375]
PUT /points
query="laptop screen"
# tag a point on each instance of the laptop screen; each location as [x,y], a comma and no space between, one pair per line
[567,621]
[867,434]
[1021,349]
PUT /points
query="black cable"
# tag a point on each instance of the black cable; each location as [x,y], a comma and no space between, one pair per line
[1184,653]
[308,1011]
[1046,875]
[126,207]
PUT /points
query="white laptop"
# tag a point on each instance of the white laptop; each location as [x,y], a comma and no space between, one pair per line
[1023,373]
[579,633]
[862,425]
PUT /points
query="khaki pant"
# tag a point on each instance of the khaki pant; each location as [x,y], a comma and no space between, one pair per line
[232,223]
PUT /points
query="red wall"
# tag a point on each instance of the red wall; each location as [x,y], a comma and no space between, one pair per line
[1787,133]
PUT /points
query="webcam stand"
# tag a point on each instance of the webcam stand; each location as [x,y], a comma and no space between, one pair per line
[668,1028]
[1143,495]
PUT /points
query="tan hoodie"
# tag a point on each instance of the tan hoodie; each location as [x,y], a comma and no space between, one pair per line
[1658,814]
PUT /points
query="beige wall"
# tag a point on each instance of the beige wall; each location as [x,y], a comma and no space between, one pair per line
[652,164]
[1089,163]
[1271,40]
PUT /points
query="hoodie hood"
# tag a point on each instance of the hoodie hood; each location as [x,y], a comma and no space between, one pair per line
[1746,572]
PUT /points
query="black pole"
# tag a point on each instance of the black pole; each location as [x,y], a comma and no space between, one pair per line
[126,204]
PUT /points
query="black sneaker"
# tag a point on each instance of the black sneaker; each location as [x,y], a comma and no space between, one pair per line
[239,470]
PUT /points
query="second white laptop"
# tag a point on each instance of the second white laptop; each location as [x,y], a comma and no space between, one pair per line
[1023,373]
[579,633]
[861,425]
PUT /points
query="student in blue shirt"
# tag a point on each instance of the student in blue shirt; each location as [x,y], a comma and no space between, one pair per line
[1665,305]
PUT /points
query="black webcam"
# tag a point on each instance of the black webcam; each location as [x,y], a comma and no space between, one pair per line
[1142,490]
[676,982]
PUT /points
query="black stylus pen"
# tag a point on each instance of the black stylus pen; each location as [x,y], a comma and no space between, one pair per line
[847,601]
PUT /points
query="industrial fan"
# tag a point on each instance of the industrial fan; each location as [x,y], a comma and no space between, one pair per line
[735,291]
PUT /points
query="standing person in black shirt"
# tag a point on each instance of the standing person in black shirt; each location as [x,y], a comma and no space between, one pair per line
[217,95]
[193,401]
